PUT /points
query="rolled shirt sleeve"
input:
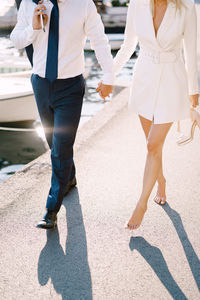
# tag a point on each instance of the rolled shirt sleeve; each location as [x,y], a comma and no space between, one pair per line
[94,30]
[190,49]
[23,34]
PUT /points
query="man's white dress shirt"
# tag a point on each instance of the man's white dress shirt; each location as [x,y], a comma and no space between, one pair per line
[78,20]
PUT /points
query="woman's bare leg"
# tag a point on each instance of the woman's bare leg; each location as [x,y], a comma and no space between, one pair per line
[155,142]
[161,193]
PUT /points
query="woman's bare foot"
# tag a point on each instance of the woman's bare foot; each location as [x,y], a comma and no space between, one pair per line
[137,216]
[160,197]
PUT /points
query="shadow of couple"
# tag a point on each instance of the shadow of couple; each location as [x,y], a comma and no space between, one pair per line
[70,273]
[156,260]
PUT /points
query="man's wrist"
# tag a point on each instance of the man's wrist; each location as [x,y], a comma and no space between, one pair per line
[32,33]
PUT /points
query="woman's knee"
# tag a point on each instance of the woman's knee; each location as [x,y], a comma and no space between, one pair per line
[154,148]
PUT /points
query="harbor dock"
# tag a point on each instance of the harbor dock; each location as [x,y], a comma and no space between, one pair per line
[90,256]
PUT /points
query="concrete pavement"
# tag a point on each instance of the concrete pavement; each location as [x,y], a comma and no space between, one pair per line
[91,255]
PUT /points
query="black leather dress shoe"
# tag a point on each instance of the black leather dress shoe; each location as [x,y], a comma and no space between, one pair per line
[71,184]
[49,220]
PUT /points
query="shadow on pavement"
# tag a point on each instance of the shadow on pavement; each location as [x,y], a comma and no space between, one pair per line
[155,259]
[191,256]
[69,271]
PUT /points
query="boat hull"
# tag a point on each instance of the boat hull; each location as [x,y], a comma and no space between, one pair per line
[16,109]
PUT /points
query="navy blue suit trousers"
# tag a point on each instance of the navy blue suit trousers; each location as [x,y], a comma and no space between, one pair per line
[59,104]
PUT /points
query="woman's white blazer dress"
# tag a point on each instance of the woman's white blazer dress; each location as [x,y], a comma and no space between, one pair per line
[165,73]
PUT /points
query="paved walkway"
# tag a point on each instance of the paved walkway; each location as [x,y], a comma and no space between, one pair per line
[91,255]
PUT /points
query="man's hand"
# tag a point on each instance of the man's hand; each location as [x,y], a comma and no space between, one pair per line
[104,90]
[194,100]
[39,10]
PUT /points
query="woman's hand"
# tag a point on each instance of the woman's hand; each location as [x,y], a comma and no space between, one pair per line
[39,10]
[104,90]
[194,100]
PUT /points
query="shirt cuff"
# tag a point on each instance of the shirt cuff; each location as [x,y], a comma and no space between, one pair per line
[191,93]
[108,78]
[194,89]
[31,33]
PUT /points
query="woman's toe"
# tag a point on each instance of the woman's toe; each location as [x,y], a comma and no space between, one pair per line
[163,201]
[127,226]
[132,226]
[157,199]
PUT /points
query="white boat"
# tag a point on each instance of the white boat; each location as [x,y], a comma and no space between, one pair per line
[17,101]
[8,14]
[115,40]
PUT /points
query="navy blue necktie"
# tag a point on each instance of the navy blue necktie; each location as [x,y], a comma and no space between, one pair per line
[52,52]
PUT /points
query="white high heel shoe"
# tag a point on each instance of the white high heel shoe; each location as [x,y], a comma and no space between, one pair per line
[182,140]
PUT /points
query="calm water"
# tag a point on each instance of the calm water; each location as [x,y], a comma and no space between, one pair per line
[19,148]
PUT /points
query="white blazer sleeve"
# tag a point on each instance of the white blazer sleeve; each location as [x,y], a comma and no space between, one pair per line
[130,41]
[190,49]
[23,34]
[94,30]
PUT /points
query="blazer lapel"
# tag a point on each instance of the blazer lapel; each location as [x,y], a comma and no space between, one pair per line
[145,19]
[166,22]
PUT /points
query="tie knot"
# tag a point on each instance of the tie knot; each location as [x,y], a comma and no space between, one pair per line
[55,2]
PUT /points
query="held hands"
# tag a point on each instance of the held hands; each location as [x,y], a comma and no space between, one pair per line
[195,116]
[194,100]
[104,90]
[39,10]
